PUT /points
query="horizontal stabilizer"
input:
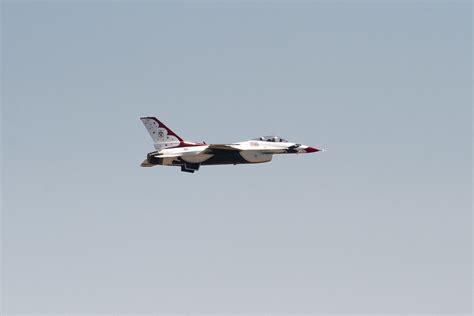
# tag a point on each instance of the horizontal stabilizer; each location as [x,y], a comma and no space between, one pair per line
[169,155]
[145,163]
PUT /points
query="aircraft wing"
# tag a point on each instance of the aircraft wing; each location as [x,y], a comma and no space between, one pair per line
[215,147]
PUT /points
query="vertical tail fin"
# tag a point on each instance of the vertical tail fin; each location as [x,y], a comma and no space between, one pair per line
[162,136]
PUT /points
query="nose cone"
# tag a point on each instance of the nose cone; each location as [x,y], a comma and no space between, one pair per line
[312,149]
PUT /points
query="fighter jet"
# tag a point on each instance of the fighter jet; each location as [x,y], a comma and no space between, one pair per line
[172,150]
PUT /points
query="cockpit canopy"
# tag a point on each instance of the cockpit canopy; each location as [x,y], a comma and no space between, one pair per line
[273,139]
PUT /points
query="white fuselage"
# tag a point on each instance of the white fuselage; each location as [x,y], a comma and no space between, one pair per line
[252,151]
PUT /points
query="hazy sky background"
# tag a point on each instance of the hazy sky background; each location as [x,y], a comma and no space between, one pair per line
[380,222]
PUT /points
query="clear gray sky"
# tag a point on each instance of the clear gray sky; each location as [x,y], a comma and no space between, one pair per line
[380,222]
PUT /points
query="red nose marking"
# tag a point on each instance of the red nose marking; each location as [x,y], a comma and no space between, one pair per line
[312,150]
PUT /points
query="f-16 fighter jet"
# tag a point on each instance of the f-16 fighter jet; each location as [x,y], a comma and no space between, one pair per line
[172,150]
